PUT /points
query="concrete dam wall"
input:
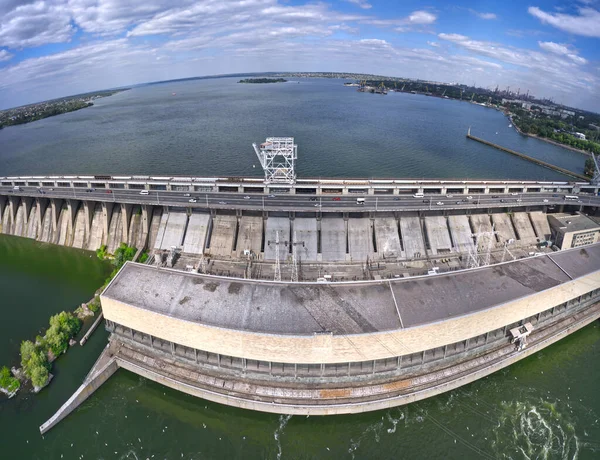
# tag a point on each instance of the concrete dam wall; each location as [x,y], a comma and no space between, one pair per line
[73,223]
[333,238]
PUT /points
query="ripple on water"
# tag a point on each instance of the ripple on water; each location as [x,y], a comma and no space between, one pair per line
[536,429]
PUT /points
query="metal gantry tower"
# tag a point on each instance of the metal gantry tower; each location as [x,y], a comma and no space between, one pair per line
[277,156]
[596,177]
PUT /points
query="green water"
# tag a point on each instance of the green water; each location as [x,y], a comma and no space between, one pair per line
[546,406]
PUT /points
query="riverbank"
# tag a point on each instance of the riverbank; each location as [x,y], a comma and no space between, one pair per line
[545,139]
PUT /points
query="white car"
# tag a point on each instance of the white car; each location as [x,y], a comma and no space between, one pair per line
[514,194]
[469,197]
[246,197]
[440,203]
[545,201]
[193,200]
[187,194]
[222,202]
[449,196]
[144,192]
[272,196]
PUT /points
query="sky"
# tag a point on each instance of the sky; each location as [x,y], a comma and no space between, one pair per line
[54,48]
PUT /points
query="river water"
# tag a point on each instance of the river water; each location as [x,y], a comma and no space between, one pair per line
[543,407]
[206,127]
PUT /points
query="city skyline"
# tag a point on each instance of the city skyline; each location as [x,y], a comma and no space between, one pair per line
[60,48]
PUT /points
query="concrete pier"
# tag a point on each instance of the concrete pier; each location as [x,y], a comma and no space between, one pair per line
[523,228]
[360,239]
[438,235]
[412,237]
[461,233]
[305,238]
[281,226]
[528,158]
[504,228]
[249,235]
[333,239]
[222,235]
[387,238]
[540,225]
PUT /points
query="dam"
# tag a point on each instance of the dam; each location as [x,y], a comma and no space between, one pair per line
[322,296]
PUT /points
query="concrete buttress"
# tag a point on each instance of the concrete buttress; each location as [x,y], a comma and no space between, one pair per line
[125,218]
[88,209]
[40,209]
[26,202]
[56,206]
[13,203]
[107,214]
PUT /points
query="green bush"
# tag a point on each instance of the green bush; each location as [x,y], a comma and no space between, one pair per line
[7,381]
[101,252]
[94,305]
[39,376]
[143,257]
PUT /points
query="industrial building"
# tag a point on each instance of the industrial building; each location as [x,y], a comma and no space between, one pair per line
[573,230]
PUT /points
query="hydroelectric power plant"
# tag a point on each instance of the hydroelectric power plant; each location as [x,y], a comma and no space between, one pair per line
[322,296]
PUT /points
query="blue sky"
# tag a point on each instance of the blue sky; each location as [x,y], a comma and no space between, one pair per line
[60,47]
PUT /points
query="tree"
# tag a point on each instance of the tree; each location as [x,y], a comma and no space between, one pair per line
[27,350]
[39,376]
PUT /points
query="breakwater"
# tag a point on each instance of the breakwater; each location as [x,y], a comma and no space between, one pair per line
[528,158]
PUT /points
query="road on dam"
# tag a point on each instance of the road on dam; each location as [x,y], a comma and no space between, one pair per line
[304,203]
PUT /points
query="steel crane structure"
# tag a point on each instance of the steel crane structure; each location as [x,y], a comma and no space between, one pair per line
[277,156]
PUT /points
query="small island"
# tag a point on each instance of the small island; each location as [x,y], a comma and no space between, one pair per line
[263,80]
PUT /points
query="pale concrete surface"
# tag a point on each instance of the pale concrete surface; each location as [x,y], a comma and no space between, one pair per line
[7,221]
[504,227]
[195,237]
[79,232]
[63,229]
[160,234]
[438,235]
[274,225]
[174,230]
[360,239]
[461,233]
[32,224]
[222,236]
[249,235]
[19,228]
[333,239]
[46,235]
[412,237]
[540,224]
[97,228]
[115,231]
[387,238]
[480,223]
[523,227]
[135,233]
[305,231]
[154,227]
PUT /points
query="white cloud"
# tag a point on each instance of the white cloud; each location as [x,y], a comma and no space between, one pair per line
[587,23]
[421,17]
[434,44]
[486,16]
[5,55]
[35,23]
[562,50]
[361,4]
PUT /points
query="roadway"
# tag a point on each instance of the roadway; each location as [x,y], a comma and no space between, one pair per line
[303,203]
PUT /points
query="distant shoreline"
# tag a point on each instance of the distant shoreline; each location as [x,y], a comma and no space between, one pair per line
[549,141]
[33,112]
